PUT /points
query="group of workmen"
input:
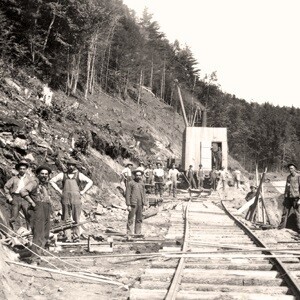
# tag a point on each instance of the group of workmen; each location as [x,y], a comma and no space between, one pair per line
[215,176]
[32,195]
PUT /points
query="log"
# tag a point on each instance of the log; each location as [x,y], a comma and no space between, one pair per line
[108,281]
[276,290]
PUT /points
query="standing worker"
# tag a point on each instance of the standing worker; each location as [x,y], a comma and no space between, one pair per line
[237,177]
[200,177]
[135,200]
[223,177]
[12,190]
[159,179]
[291,197]
[126,173]
[37,194]
[213,175]
[149,178]
[190,173]
[173,175]
[71,195]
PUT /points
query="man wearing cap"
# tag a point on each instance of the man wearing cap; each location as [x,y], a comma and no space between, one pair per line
[12,190]
[135,200]
[37,194]
[291,197]
[173,175]
[71,195]
[158,179]
[126,173]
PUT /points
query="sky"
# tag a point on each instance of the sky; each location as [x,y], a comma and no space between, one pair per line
[253,45]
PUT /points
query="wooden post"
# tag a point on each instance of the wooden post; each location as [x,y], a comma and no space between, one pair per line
[254,209]
[182,107]
[140,87]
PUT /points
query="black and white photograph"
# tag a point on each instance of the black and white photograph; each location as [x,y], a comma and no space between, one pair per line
[149,150]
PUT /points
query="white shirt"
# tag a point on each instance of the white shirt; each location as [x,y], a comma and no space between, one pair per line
[159,172]
[126,172]
[173,173]
[237,174]
[81,177]
[21,184]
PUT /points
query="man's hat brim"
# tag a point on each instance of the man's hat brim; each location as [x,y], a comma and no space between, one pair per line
[138,171]
[44,167]
[289,165]
[22,163]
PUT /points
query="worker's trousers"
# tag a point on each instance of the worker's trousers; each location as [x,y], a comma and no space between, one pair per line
[173,187]
[41,226]
[18,204]
[288,204]
[200,182]
[135,216]
[159,183]
[192,183]
[72,211]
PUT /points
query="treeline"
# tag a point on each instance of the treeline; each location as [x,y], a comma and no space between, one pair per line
[78,45]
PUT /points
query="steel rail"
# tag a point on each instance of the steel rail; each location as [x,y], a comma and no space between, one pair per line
[173,288]
[290,280]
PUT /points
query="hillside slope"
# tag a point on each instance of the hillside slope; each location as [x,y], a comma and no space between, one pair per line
[101,133]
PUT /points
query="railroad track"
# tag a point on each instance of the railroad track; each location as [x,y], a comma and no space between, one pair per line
[217,259]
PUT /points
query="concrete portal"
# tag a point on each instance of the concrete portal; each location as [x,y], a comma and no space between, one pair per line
[206,146]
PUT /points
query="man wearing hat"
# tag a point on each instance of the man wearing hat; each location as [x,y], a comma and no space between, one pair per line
[126,173]
[12,190]
[135,200]
[37,194]
[71,195]
[158,179]
[291,197]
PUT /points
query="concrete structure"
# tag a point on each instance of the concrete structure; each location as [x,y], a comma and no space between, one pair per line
[200,145]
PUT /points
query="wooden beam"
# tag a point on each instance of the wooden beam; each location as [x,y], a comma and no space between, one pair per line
[182,107]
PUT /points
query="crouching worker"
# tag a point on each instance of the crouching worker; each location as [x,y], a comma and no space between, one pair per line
[135,201]
[37,194]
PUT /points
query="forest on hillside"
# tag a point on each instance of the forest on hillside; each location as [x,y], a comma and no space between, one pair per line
[79,46]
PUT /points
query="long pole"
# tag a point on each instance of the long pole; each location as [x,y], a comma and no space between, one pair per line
[182,107]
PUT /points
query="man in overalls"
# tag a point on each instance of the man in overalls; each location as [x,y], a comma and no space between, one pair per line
[71,195]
